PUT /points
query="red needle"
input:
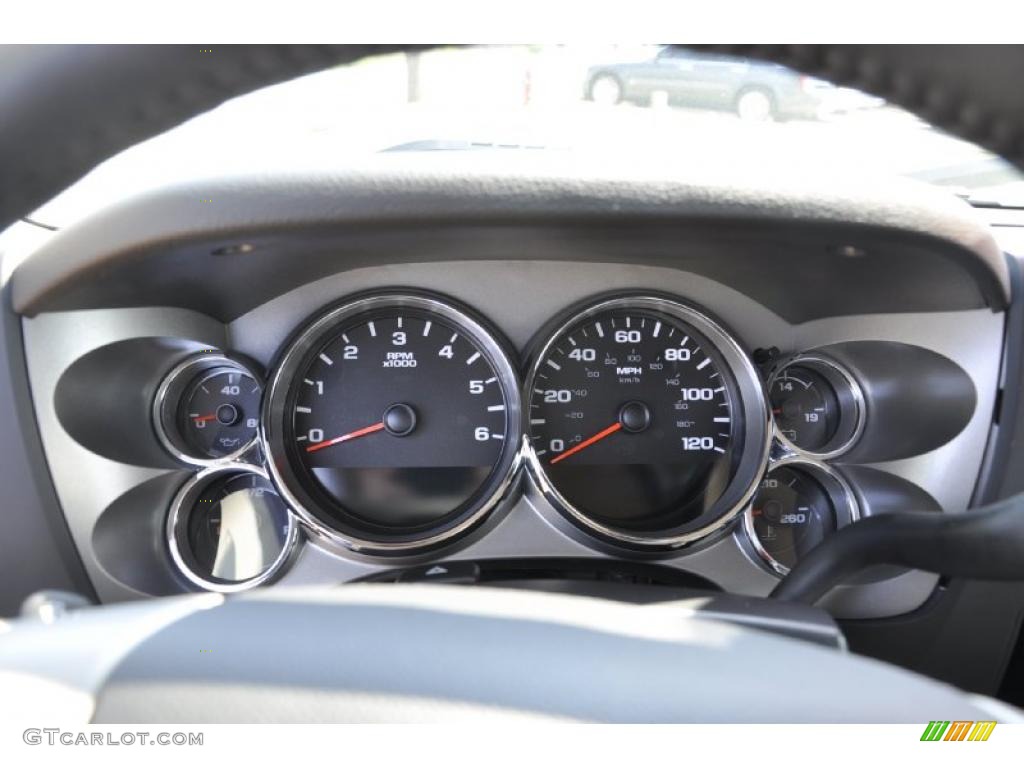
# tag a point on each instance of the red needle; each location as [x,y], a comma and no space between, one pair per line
[207,417]
[345,438]
[588,442]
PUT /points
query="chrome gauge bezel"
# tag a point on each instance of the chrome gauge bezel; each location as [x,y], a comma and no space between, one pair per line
[167,401]
[852,404]
[273,429]
[177,519]
[756,423]
[840,493]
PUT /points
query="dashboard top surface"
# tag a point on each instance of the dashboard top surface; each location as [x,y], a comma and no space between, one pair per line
[888,245]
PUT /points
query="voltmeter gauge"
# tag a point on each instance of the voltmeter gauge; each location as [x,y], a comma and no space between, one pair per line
[817,406]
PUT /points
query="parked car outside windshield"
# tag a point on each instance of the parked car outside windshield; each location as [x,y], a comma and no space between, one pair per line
[753,90]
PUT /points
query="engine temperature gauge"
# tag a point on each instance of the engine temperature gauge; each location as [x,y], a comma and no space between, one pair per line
[798,504]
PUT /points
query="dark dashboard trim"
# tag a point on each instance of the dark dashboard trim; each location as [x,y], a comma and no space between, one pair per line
[806,248]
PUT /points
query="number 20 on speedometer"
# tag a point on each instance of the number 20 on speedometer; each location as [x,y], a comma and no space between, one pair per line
[636,418]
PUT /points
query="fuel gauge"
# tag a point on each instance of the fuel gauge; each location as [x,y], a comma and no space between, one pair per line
[228,530]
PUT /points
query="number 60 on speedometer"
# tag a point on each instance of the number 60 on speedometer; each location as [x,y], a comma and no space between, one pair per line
[639,420]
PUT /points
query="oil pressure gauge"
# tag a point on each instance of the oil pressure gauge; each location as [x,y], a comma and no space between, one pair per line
[207,409]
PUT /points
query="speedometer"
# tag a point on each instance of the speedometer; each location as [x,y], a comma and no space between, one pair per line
[647,421]
[393,422]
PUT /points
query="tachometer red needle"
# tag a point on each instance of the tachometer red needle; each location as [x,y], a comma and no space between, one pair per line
[345,438]
[207,417]
[588,442]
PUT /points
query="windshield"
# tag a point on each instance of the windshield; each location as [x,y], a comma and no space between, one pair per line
[633,104]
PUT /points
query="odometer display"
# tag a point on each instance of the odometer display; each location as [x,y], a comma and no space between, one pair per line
[399,421]
[636,419]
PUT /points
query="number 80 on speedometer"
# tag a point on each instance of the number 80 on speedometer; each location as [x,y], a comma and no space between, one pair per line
[637,420]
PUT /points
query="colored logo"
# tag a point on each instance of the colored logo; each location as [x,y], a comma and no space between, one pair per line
[958,730]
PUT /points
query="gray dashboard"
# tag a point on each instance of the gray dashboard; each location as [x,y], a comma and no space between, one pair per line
[797,267]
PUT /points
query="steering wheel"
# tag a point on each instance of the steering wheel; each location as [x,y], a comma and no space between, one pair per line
[367,653]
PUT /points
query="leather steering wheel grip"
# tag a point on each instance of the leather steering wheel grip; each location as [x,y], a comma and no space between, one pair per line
[65,109]
[429,653]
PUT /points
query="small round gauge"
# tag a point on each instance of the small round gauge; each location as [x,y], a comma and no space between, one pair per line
[805,407]
[207,410]
[229,530]
[220,412]
[817,406]
[798,504]
[646,421]
[393,422]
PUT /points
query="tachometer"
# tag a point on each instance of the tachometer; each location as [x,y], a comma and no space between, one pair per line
[393,422]
[647,422]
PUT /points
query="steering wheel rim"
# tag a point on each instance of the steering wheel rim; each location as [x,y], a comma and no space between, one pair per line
[417,653]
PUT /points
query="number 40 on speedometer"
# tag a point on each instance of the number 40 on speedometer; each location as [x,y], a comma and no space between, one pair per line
[633,417]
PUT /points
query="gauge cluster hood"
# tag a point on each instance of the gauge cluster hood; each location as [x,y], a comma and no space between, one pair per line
[197,235]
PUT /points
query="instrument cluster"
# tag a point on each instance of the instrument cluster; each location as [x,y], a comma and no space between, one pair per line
[396,423]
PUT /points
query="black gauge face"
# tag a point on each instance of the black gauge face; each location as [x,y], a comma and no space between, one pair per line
[219,413]
[398,420]
[791,514]
[805,406]
[236,530]
[633,421]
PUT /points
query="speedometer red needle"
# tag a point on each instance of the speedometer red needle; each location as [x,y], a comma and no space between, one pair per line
[345,438]
[207,417]
[588,442]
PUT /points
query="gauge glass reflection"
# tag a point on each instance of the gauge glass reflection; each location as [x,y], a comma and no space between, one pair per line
[236,529]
